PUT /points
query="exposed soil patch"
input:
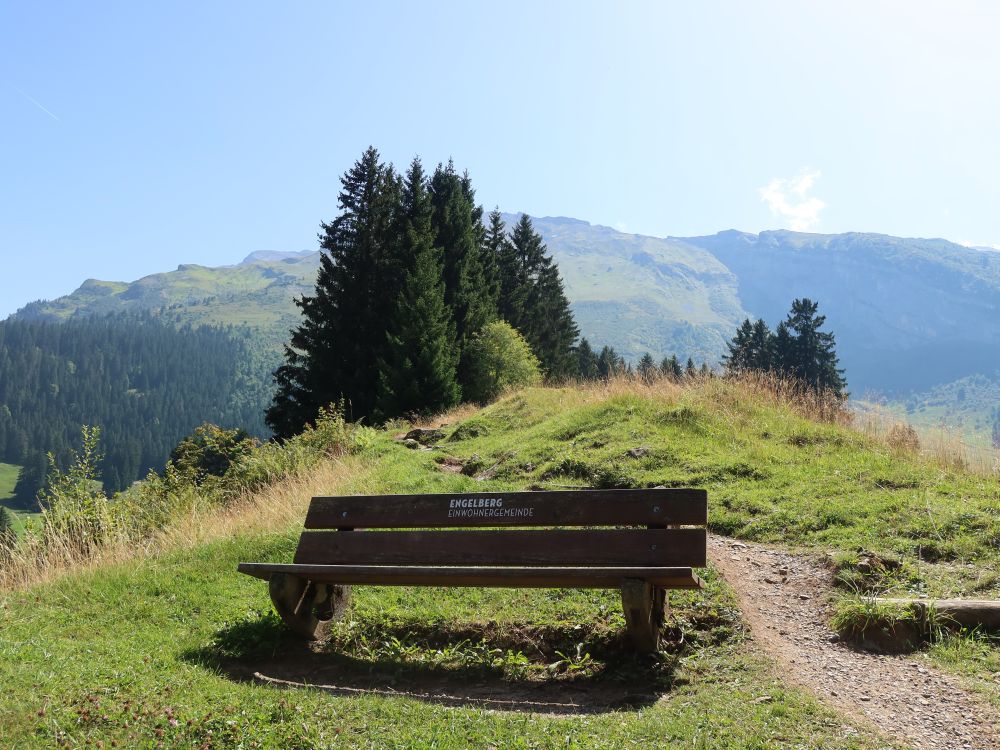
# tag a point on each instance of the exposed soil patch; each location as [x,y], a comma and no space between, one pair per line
[784,598]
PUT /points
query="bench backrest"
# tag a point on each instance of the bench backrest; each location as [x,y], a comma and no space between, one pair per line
[666,529]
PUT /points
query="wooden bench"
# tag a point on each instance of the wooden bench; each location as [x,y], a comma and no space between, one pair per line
[663,541]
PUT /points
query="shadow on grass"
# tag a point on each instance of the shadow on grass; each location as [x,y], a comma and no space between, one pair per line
[537,669]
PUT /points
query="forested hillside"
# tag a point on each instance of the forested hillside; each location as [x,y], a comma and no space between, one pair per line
[144,382]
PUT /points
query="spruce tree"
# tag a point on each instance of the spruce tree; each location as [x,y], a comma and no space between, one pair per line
[513,278]
[761,355]
[544,316]
[458,231]
[737,358]
[587,361]
[671,367]
[609,363]
[783,352]
[417,371]
[496,252]
[751,348]
[334,352]
[814,359]
[647,368]
[689,370]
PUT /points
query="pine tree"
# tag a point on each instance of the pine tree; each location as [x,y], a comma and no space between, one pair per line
[334,352]
[539,307]
[458,231]
[647,368]
[752,348]
[761,354]
[609,363]
[587,361]
[705,372]
[671,367]
[417,372]
[737,358]
[783,352]
[813,358]
[513,277]
[689,370]
[496,252]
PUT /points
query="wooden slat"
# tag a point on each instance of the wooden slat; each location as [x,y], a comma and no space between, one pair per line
[568,508]
[591,547]
[515,577]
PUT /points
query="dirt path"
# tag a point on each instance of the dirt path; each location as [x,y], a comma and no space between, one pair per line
[783,597]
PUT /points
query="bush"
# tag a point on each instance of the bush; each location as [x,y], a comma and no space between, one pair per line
[499,359]
[75,510]
[210,451]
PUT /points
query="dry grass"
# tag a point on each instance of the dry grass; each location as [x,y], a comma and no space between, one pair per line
[456,414]
[735,392]
[943,447]
[277,506]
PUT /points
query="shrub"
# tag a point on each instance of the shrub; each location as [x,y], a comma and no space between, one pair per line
[499,358]
[210,451]
[75,510]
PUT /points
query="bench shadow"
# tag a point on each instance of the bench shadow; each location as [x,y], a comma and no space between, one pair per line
[263,651]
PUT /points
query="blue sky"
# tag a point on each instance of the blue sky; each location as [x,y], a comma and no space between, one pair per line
[137,136]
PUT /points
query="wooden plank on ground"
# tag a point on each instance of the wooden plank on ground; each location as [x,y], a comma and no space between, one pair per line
[648,507]
[545,547]
[513,577]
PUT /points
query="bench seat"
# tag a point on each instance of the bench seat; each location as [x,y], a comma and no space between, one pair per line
[485,576]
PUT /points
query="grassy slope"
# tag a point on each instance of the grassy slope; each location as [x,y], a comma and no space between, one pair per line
[772,475]
[8,480]
[133,652]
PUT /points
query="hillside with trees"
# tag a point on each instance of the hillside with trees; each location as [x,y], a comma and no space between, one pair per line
[144,382]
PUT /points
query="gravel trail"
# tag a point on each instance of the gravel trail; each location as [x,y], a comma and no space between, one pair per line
[784,597]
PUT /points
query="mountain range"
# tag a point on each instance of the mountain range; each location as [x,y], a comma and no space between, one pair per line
[910,315]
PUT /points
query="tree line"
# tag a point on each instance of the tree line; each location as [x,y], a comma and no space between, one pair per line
[145,383]
[797,349]
[410,275]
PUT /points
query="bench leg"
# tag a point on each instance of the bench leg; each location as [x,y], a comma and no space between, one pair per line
[644,606]
[308,607]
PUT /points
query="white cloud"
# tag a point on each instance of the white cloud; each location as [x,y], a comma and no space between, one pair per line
[789,199]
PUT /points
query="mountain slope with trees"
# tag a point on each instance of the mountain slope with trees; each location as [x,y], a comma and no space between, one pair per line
[145,383]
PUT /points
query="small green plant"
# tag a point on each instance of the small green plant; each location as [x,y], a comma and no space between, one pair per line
[75,510]
[890,626]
